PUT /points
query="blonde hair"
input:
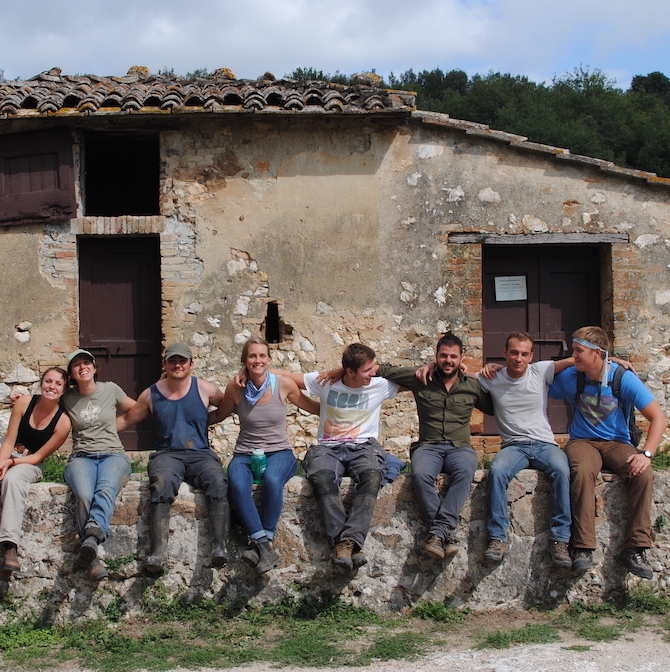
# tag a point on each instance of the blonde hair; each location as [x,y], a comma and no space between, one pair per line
[593,335]
[254,340]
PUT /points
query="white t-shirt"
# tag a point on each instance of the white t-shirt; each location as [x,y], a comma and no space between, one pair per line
[520,404]
[349,414]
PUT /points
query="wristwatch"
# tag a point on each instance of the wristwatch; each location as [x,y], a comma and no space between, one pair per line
[647,453]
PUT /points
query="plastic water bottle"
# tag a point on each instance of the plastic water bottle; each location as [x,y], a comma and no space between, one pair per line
[258,465]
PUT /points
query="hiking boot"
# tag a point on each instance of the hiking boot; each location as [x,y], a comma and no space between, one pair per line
[97,571]
[560,555]
[358,558]
[495,551]
[88,551]
[582,559]
[11,561]
[450,546]
[634,560]
[343,552]
[434,546]
[268,558]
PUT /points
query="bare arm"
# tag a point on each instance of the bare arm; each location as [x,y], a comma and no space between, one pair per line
[134,411]
[657,423]
[291,392]
[230,399]
[297,378]
[54,443]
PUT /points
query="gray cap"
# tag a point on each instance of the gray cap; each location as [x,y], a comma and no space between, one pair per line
[178,350]
[76,353]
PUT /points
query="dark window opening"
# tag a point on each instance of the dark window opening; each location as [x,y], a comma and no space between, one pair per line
[275,329]
[122,175]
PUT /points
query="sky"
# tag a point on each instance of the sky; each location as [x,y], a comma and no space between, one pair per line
[541,39]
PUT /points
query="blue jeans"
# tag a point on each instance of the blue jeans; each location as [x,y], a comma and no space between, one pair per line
[281,465]
[539,455]
[95,480]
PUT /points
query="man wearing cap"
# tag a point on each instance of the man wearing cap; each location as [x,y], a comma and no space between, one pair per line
[179,403]
[600,437]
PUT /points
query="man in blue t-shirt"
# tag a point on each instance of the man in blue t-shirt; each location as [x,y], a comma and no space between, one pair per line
[600,437]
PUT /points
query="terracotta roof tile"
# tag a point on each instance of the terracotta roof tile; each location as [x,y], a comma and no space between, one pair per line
[139,91]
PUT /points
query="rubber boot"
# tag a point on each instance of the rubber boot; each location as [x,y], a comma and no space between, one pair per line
[219,526]
[159,533]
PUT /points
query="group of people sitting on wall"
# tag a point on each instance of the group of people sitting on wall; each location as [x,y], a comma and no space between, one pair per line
[348,402]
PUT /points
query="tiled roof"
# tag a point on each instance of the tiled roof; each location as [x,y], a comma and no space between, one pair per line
[51,93]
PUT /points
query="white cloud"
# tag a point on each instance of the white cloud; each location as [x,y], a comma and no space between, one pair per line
[538,39]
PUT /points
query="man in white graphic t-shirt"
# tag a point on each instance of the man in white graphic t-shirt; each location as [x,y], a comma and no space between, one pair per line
[347,446]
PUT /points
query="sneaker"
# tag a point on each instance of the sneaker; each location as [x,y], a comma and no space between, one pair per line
[635,561]
[495,551]
[582,559]
[560,555]
[342,557]
[450,546]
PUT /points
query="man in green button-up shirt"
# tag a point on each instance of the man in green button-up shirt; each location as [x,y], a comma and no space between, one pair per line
[444,406]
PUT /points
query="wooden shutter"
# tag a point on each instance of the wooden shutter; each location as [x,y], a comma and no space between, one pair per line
[36,177]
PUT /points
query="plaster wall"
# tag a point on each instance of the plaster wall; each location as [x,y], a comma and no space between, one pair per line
[349,225]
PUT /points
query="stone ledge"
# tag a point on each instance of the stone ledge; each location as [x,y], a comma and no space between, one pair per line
[396,576]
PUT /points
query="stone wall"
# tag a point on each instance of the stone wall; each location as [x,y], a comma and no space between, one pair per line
[351,227]
[396,577]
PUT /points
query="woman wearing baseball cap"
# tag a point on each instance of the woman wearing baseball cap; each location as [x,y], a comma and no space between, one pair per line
[97,467]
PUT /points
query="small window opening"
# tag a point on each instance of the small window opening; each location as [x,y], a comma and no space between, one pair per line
[122,174]
[276,330]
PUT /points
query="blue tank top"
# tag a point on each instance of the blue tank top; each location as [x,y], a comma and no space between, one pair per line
[180,424]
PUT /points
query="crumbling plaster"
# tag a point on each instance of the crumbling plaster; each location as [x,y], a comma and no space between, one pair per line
[347,224]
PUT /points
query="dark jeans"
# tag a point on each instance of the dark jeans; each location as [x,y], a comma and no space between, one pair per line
[201,469]
[428,461]
[326,464]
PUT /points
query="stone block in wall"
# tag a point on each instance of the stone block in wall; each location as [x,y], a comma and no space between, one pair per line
[397,576]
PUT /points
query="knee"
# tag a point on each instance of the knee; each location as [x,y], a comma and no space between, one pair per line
[324,483]
[369,482]
[162,490]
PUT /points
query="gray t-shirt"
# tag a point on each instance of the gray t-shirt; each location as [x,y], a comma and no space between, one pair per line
[94,418]
[520,404]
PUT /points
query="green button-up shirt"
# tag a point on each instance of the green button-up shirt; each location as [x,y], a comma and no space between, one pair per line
[444,415]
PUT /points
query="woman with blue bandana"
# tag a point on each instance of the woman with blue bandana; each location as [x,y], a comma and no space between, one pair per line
[261,408]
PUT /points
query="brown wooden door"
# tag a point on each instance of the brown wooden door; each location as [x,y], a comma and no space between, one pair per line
[119,309]
[562,293]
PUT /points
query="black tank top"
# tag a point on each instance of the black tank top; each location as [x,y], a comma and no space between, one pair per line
[33,439]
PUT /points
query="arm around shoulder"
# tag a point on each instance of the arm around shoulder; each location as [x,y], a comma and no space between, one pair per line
[296,397]
[228,404]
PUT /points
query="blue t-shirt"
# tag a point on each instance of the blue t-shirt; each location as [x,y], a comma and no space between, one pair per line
[606,420]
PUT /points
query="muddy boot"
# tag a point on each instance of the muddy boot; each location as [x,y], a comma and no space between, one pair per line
[268,557]
[159,532]
[11,561]
[219,525]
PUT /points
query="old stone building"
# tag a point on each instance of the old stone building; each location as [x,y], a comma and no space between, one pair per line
[140,210]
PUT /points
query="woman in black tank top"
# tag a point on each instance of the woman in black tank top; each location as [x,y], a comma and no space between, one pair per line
[37,427]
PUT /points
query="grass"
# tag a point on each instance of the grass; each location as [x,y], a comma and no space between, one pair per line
[303,632]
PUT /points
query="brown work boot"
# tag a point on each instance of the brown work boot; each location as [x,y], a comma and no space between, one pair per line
[342,555]
[97,571]
[358,558]
[11,561]
[495,551]
[434,546]
[560,555]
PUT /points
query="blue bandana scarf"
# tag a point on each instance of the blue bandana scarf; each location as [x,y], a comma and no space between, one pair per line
[252,393]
